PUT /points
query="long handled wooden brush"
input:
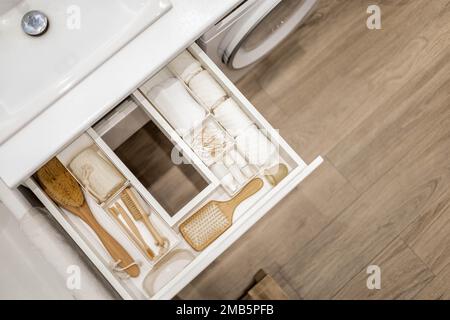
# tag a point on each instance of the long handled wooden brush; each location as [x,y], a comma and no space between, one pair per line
[59,184]
[214,218]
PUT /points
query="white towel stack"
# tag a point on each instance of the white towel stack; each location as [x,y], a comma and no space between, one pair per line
[185,66]
[174,102]
[208,91]
[254,145]
[231,117]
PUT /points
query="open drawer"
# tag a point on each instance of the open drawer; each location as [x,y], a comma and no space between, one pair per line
[212,147]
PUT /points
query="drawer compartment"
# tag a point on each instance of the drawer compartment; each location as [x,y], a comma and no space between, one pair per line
[187,136]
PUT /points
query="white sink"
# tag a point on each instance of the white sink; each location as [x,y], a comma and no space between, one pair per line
[36,71]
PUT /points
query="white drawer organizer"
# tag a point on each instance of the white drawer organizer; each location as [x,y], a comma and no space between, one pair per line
[172,194]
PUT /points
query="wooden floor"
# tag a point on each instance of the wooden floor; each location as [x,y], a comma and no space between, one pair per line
[376,105]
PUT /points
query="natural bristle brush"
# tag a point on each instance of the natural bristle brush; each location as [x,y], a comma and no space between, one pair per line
[133,205]
[215,217]
[59,185]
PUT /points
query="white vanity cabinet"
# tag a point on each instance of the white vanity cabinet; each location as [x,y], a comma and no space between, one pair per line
[172,195]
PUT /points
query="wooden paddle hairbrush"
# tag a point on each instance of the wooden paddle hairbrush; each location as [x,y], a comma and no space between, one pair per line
[59,184]
[215,217]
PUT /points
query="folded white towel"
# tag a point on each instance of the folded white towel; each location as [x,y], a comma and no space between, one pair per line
[176,104]
[96,174]
[231,117]
[254,145]
[185,66]
[206,88]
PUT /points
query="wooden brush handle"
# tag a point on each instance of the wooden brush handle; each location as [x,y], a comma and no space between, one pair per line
[115,249]
[250,189]
[144,248]
[135,230]
[158,239]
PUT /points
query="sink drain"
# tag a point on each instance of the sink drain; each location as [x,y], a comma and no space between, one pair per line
[34,23]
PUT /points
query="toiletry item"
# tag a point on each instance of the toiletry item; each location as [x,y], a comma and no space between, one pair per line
[185,66]
[166,269]
[225,177]
[231,117]
[237,174]
[227,160]
[215,217]
[59,185]
[254,145]
[219,169]
[138,212]
[240,161]
[209,141]
[248,171]
[131,229]
[237,157]
[206,88]
[276,173]
[99,177]
[175,103]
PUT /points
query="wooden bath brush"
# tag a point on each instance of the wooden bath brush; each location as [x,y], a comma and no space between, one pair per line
[215,217]
[59,184]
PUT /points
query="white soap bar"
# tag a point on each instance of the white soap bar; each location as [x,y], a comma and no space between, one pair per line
[185,66]
[206,88]
[231,117]
[97,175]
[254,145]
[176,104]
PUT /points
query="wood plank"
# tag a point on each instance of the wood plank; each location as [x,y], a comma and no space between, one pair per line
[431,240]
[384,137]
[349,243]
[329,90]
[328,190]
[403,275]
[439,288]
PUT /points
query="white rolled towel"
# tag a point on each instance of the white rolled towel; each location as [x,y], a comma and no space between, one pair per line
[254,145]
[185,66]
[231,117]
[206,88]
[96,174]
[176,104]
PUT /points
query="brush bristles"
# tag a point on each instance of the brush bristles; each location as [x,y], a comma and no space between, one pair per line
[205,226]
[59,184]
[131,205]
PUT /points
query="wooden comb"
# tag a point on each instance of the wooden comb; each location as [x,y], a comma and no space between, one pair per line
[59,184]
[215,217]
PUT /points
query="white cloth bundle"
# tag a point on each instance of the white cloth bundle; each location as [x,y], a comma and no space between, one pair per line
[254,145]
[185,66]
[206,88]
[176,104]
[96,174]
[231,117]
